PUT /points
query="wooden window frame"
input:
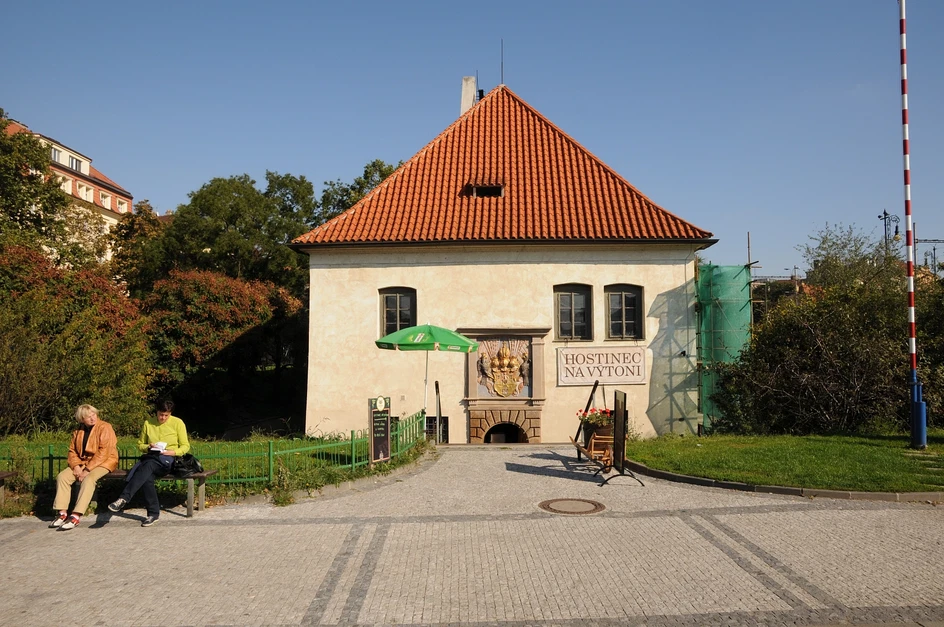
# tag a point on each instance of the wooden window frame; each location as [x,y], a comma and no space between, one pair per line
[635,319]
[571,290]
[386,328]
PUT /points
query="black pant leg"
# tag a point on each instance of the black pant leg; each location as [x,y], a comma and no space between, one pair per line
[149,491]
[145,471]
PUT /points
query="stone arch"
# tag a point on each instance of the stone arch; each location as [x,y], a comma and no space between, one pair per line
[483,420]
[506,433]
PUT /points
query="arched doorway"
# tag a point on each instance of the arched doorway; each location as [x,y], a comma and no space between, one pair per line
[505,433]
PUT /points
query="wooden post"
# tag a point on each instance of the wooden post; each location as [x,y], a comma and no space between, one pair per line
[353,451]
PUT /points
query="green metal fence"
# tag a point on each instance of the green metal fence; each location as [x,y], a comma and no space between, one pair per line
[246,462]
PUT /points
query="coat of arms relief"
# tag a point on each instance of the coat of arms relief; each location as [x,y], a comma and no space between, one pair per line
[504,367]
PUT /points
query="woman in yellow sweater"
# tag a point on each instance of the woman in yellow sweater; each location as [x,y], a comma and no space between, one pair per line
[162,438]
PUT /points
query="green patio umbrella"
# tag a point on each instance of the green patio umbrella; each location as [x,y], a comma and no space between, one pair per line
[427,337]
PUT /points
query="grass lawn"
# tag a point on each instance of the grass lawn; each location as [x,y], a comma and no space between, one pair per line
[870,464]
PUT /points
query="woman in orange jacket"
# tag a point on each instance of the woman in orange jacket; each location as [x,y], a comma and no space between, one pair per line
[93,454]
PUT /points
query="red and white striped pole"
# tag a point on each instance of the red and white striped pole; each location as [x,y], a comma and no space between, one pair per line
[919,436]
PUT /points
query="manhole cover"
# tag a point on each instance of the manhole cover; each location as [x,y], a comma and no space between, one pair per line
[571,506]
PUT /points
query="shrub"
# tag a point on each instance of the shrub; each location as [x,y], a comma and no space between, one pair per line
[833,360]
[196,314]
[216,340]
[70,337]
[820,366]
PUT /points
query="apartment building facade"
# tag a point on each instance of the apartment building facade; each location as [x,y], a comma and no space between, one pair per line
[88,186]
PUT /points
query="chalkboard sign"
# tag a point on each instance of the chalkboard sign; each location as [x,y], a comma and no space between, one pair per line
[619,430]
[379,429]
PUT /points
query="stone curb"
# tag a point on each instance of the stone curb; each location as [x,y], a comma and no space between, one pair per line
[895,497]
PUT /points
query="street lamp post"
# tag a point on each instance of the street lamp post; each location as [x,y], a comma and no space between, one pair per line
[886,218]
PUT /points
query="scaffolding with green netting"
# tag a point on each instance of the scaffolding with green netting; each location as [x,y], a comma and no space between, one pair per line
[724,325]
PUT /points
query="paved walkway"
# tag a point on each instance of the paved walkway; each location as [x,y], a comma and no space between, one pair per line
[461,540]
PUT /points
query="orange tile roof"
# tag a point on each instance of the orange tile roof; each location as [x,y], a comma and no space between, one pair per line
[15,127]
[555,190]
[98,176]
[94,174]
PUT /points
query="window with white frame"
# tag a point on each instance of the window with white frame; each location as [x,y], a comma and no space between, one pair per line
[66,183]
[84,191]
[105,199]
[75,164]
[55,155]
[122,205]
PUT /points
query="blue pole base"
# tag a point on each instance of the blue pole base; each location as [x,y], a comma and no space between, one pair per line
[919,416]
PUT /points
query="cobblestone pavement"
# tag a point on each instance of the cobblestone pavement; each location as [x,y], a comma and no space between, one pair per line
[461,540]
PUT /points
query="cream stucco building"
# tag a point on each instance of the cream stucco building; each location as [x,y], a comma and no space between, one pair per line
[505,229]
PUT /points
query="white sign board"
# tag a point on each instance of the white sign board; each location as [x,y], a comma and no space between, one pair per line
[584,365]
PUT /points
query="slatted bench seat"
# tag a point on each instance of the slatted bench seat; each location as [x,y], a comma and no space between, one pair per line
[198,477]
[4,475]
[598,451]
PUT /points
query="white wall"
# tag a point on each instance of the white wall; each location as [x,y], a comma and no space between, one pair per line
[494,286]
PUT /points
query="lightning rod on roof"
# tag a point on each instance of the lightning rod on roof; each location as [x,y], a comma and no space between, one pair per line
[502,82]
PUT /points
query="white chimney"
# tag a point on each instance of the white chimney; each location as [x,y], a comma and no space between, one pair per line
[468,94]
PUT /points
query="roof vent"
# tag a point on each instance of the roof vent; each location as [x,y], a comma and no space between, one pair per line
[481,94]
[488,191]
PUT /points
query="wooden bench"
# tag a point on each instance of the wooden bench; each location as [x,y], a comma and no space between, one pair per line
[4,475]
[198,477]
[599,450]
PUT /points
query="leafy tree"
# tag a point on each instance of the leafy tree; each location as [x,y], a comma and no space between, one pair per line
[35,210]
[294,198]
[844,258]
[233,227]
[929,305]
[70,337]
[831,360]
[86,235]
[196,314]
[137,249]
[230,226]
[337,197]
[213,335]
[766,295]
[30,198]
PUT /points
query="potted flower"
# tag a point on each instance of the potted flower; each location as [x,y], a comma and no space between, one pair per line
[595,421]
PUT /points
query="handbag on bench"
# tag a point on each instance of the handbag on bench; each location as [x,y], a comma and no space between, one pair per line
[185,466]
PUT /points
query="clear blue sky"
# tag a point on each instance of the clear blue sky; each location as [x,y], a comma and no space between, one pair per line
[737,115]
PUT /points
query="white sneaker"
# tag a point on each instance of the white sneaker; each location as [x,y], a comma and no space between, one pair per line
[72,523]
[61,518]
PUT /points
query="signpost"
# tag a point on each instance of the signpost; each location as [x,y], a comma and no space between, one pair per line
[619,430]
[620,418]
[379,429]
